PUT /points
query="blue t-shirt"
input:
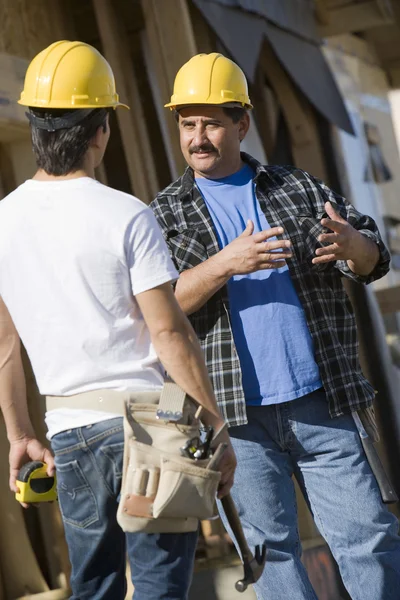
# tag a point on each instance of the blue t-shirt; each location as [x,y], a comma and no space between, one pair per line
[269,327]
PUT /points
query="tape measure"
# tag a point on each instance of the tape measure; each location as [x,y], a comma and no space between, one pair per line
[34,484]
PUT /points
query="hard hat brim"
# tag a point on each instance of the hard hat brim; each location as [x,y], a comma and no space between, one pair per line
[64,106]
[175,106]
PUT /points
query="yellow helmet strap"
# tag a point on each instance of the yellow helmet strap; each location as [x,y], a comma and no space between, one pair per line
[66,121]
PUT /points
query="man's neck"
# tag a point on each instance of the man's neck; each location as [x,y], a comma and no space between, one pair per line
[41,175]
[221,173]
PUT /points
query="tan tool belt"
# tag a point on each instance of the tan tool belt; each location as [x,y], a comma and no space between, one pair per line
[162,491]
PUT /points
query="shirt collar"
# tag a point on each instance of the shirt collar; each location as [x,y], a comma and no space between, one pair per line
[188,181]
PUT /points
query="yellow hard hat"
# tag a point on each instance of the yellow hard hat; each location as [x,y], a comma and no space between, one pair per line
[69,75]
[210,79]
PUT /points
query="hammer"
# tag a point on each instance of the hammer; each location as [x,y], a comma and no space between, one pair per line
[253,565]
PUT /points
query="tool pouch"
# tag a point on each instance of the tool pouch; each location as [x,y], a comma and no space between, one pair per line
[163,491]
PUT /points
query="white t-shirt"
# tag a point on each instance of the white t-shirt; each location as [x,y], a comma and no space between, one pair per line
[73,254]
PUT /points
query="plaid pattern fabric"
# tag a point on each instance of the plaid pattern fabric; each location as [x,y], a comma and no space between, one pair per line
[293,199]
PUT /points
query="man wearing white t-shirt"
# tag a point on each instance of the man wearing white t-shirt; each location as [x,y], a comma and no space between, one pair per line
[86,277]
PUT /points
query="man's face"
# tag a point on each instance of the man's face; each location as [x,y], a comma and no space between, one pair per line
[210,140]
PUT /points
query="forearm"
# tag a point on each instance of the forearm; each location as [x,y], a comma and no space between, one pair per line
[179,351]
[365,255]
[13,401]
[196,286]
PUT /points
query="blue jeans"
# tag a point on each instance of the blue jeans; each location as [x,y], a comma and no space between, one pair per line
[326,457]
[89,468]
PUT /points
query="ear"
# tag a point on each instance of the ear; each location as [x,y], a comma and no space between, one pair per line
[244,125]
[95,142]
[97,139]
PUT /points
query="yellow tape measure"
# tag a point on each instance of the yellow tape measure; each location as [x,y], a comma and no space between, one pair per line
[35,485]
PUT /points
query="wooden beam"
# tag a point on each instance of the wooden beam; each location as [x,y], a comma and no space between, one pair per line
[7,170]
[287,95]
[392,68]
[388,299]
[355,17]
[266,111]
[216,541]
[386,8]
[300,119]
[51,527]
[19,567]
[171,42]
[394,77]
[176,37]
[321,12]
[132,123]
[27,27]
[204,36]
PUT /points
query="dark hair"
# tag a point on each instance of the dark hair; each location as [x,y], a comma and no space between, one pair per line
[62,152]
[236,113]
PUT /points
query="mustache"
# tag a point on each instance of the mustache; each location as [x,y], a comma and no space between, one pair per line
[202,148]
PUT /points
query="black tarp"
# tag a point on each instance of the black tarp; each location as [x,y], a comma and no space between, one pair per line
[296,16]
[243,32]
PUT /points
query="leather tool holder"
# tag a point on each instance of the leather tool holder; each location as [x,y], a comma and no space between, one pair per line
[163,492]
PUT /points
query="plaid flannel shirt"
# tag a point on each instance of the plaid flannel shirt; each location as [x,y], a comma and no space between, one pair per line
[295,200]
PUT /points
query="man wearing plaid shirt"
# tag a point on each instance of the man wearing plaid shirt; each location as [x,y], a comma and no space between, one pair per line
[262,252]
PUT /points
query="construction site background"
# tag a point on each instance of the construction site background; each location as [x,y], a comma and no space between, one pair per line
[322,76]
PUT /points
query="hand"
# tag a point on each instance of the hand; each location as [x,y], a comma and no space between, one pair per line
[227,467]
[343,242]
[23,451]
[252,252]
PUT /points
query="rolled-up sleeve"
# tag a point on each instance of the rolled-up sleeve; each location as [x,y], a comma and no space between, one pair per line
[365,225]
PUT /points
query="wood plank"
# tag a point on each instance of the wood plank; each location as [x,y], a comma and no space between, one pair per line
[217,542]
[171,41]
[394,76]
[306,148]
[355,17]
[132,124]
[321,12]
[18,564]
[388,299]
[7,170]
[266,112]
[51,529]
[27,27]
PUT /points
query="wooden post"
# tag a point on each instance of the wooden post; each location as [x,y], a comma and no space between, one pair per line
[171,42]
[18,564]
[49,515]
[217,542]
[170,21]
[7,171]
[132,123]
[306,148]
[322,12]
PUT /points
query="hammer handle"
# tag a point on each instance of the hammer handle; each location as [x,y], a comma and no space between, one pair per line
[388,493]
[216,457]
[236,526]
